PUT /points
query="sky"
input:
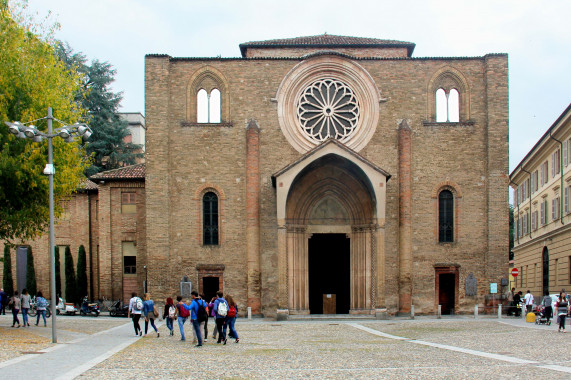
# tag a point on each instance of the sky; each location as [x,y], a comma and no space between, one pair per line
[535,34]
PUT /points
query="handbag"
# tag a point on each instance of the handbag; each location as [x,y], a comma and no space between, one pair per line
[155,311]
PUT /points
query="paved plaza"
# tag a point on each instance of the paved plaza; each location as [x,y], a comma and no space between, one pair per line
[424,348]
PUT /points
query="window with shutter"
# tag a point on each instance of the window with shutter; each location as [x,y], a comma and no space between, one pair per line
[565,154]
[542,212]
[566,200]
[534,220]
[525,224]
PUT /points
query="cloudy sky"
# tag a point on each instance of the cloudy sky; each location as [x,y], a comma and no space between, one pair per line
[535,34]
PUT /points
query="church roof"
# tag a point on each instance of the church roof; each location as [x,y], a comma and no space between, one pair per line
[133,172]
[326,41]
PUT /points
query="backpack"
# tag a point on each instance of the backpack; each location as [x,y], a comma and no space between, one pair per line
[201,314]
[172,312]
[183,312]
[41,302]
[138,304]
[222,309]
[231,312]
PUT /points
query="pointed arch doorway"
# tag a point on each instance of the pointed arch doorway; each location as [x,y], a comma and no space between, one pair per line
[330,236]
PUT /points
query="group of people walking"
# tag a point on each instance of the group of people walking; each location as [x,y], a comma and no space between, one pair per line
[22,303]
[548,306]
[223,310]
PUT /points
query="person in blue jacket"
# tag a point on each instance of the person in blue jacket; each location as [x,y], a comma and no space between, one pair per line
[220,317]
[196,324]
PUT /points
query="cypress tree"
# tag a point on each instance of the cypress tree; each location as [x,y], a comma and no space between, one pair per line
[81,272]
[8,283]
[58,272]
[30,273]
[70,283]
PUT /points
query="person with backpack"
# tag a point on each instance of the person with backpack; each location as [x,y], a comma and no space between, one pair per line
[169,315]
[41,305]
[220,311]
[213,315]
[231,318]
[197,316]
[15,304]
[150,313]
[135,311]
[183,314]
[207,316]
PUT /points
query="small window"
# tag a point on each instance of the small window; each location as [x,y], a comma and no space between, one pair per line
[446,216]
[128,203]
[210,219]
[447,106]
[208,106]
[130,264]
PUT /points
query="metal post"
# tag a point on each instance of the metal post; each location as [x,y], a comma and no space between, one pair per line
[499,311]
[411,311]
[249,312]
[475,311]
[439,311]
[52,233]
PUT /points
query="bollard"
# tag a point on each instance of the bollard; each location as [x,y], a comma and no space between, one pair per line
[249,312]
[475,311]
[411,311]
[439,312]
[499,311]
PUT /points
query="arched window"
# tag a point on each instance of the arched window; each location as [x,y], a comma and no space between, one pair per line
[208,106]
[202,106]
[446,216]
[210,219]
[447,106]
[214,106]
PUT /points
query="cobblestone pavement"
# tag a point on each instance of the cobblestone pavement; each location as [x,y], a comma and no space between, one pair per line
[341,350]
[455,348]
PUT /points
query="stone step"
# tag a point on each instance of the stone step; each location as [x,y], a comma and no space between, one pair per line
[330,317]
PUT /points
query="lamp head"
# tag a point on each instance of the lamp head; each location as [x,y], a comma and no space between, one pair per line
[31,132]
[86,134]
[14,127]
[64,133]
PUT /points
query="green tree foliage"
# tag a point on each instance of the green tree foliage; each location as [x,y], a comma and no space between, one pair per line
[31,273]
[7,283]
[107,144]
[58,271]
[32,79]
[81,272]
[70,282]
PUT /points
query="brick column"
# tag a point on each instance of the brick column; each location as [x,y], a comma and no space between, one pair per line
[405,216]
[253,215]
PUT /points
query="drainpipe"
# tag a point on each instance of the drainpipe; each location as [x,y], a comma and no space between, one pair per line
[517,204]
[561,200]
[529,221]
[89,242]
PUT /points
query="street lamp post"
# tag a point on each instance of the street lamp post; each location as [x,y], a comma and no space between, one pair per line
[68,133]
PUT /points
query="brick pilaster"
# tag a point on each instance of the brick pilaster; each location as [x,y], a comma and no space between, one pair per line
[405,216]
[253,215]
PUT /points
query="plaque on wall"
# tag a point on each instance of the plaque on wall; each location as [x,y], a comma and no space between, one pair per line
[471,285]
[185,287]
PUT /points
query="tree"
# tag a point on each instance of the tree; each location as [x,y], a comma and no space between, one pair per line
[58,271]
[70,283]
[7,283]
[31,80]
[107,144]
[31,273]
[81,272]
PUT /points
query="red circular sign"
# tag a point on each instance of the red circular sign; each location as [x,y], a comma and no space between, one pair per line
[515,272]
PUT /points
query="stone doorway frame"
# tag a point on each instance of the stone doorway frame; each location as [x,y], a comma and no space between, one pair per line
[367,241]
[446,269]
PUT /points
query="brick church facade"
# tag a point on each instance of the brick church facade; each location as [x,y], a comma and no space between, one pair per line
[338,168]
[321,174]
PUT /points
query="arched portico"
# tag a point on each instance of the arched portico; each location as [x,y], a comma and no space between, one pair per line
[331,190]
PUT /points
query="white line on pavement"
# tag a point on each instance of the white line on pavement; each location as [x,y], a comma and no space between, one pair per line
[489,355]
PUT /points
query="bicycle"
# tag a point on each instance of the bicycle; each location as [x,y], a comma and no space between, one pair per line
[32,311]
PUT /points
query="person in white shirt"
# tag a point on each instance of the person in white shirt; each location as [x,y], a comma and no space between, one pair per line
[528,301]
[135,312]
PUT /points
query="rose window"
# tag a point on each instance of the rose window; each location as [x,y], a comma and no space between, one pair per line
[328,108]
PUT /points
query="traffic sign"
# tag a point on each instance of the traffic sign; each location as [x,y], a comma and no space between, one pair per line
[515,272]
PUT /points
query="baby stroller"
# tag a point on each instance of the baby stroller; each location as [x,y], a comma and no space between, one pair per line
[541,317]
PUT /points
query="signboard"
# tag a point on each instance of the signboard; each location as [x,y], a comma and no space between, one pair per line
[493,287]
[515,272]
